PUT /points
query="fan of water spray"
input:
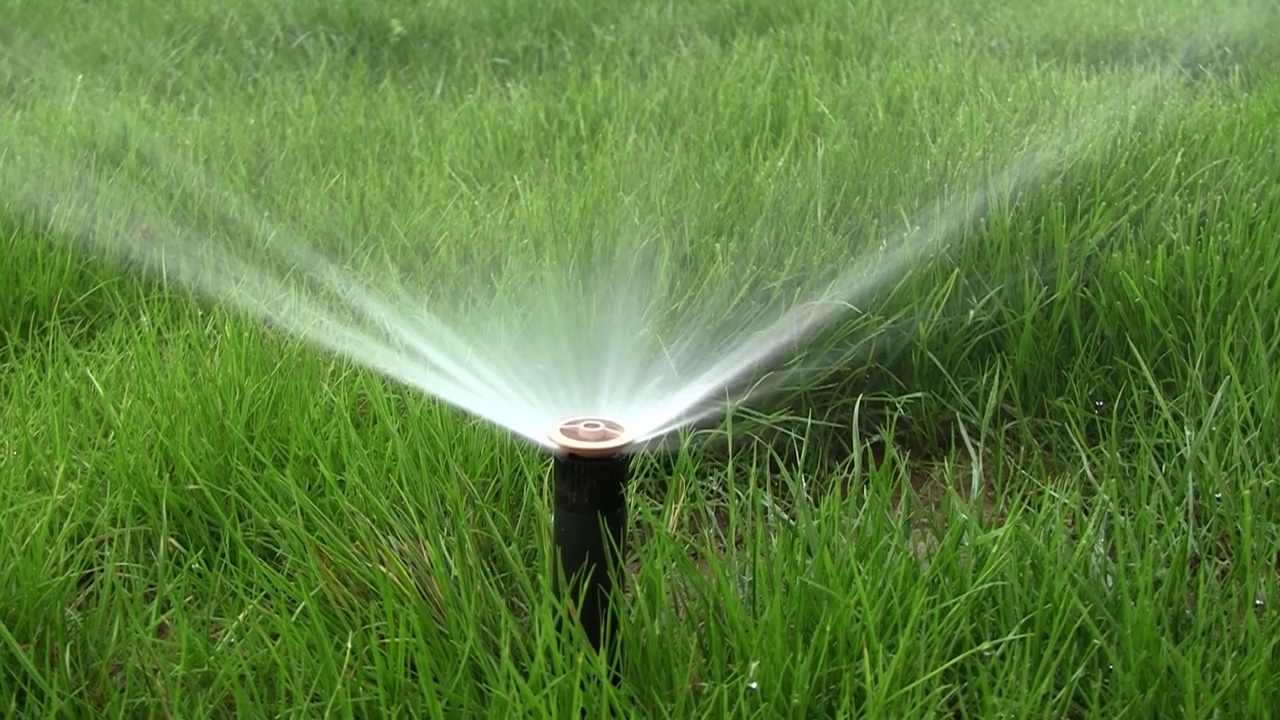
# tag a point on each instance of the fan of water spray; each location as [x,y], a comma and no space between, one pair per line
[603,338]
[624,332]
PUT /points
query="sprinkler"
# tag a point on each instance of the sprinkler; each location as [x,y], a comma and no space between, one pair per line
[590,522]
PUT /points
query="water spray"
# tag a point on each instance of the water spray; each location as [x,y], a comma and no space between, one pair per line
[590,472]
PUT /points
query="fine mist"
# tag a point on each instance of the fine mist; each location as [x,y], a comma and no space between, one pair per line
[634,325]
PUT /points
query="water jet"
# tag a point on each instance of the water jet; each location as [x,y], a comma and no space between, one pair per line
[590,471]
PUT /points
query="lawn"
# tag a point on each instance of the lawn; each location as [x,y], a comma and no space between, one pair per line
[1022,461]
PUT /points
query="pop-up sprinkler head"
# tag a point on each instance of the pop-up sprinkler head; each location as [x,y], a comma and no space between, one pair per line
[591,437]
[590,524]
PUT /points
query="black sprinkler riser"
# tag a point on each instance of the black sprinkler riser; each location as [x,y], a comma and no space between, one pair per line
[590,533]
[591,484]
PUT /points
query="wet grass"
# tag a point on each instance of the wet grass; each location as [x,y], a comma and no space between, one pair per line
[1035,477]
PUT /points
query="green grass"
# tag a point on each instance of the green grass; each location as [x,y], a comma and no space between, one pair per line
[1038,477]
